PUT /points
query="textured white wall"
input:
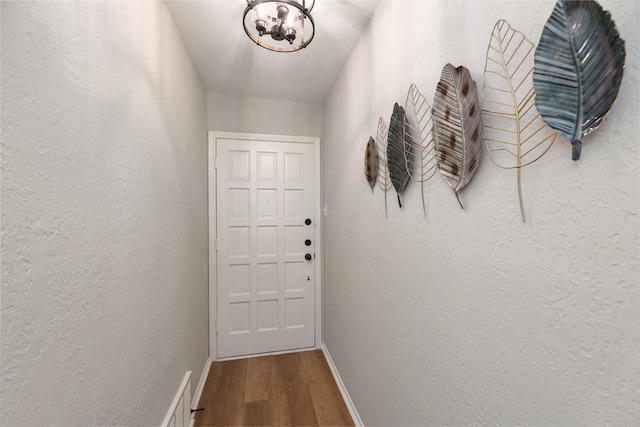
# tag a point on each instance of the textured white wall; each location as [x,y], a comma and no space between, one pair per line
[472,317]
[231,113]
[104,214]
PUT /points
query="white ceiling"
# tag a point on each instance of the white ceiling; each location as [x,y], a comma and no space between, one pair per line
[229,62]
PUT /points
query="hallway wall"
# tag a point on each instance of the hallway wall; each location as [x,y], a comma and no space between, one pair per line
[470,316]
[104,214]
[232,113]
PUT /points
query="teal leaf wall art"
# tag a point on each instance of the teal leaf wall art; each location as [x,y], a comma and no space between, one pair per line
[578,67]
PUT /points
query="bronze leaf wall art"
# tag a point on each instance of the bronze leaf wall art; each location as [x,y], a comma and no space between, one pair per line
[397,145]
[384,178]
[578,67]
[419,150]
[457,127]
[371,163]
[515,136]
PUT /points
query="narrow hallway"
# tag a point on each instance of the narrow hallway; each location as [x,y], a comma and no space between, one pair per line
[288,389]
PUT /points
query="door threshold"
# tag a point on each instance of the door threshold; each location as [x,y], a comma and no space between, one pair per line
[273,353]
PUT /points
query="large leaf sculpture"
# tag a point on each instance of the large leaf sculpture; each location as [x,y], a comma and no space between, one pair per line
[419,138]
[514,133]
[371,163]
[384,179]
[396,147]
[457,127]
[578,69]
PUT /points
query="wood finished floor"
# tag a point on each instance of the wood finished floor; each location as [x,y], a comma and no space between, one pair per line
[295,389]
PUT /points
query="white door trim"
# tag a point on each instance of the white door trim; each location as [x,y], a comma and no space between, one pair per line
[317,220]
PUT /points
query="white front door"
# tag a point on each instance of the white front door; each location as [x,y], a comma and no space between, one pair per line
[265,246]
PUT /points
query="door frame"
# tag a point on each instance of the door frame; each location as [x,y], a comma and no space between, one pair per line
[317,220]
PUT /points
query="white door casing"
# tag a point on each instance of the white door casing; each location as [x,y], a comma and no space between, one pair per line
[266,293]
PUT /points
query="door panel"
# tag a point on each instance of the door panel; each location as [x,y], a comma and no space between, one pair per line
[265,286]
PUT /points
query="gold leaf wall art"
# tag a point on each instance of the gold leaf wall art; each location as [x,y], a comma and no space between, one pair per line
[418,127]
[515,134]
[384,178]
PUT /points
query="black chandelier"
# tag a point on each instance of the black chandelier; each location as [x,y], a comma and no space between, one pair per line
[288,23]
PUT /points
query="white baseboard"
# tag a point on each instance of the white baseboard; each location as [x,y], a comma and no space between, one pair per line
[196,397]
[343,390]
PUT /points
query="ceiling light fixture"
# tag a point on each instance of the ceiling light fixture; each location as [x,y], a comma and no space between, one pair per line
[288,22]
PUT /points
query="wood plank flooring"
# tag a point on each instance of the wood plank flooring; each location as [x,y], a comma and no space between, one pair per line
[295,389]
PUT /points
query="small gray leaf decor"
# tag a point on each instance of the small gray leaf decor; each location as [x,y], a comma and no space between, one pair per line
[396,147]
[578,67]
[371,163]
[457,127]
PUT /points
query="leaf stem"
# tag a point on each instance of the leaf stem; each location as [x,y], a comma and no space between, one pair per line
[577,149]
[386,214]
[458,197]
[524,219]
[424,208]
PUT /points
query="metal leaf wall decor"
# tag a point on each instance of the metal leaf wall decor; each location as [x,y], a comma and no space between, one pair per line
[384,179]
[371,163]
[457,127]
[419,140]
[396,147]
[514,133]
[578,69]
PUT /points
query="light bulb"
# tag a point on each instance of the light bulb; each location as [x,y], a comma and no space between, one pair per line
[290,20]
